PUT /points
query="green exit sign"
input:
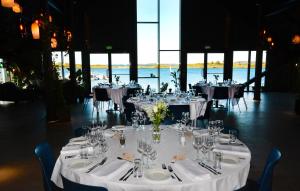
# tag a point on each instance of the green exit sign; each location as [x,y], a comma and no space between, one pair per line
[108,47]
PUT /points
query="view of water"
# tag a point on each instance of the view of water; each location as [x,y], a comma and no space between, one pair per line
[194,76]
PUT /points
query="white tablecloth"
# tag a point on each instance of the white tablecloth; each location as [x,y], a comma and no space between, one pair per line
[233,176]
[115,94]
[209,90]
[197,105]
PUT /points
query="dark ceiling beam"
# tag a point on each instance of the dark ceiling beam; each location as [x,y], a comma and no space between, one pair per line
[53,5]
[283,7]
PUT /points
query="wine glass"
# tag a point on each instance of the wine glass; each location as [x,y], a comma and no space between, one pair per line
[197,144]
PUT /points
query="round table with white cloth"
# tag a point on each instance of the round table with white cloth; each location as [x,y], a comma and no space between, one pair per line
[194,177]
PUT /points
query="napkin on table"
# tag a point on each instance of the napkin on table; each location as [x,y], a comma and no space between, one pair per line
[190,169]
[112,169]
[229,149]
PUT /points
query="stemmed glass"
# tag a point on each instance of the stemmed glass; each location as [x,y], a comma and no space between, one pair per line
[197,144]
[205,148]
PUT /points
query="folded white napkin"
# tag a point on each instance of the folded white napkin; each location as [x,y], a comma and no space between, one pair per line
[74,149]
[112,169]
[77,139]
[229,149]
[190,169]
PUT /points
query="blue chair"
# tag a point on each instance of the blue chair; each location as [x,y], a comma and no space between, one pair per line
[264,183]
[73,186]
[44,154]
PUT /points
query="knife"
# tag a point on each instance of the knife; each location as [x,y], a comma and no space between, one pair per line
[96,165]
[130,170]
[129,174]
[209,168]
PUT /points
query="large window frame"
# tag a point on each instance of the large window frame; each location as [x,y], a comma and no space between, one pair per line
[158,21]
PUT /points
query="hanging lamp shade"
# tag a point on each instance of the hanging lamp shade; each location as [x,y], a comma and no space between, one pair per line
[53,42]
[7,3]
[35,30]
[17,8]
[296,39]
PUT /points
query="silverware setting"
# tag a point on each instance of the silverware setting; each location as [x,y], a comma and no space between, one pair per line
[96,165]
[130,174]
[122,178]
[233,144]
[172,171]
[211,169]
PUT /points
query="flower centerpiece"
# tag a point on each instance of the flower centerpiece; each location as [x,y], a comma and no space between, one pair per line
[117,78]
[216,78]
[158,114]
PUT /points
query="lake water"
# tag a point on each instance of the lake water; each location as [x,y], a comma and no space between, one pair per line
[193,76]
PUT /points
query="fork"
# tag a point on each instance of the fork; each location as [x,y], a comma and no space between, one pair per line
[172,171]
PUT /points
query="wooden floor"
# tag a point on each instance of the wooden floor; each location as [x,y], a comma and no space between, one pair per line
[266,124]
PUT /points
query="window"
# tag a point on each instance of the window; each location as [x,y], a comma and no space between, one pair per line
[99,69]
[120,67]
[158,35]
[195,66]
[215,66]
[240,66]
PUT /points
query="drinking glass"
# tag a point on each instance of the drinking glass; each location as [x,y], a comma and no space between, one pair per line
[232,135]
[138,168]
[122,140]
[83,152]
[197,144]
[217,157]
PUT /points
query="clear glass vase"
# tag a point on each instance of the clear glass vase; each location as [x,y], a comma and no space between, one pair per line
[156,133]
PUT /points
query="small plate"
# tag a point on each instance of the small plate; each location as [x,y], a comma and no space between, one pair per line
[79,163]
[157,174]
[230,160]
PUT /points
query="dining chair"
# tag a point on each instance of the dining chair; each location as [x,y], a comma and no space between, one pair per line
[221,93]
[101,96]
[264,183]
[44,154]
[128,108]
[147,90]
[240,95]
[206,115]
[73,186]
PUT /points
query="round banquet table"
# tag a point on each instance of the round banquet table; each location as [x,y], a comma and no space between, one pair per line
[234,175]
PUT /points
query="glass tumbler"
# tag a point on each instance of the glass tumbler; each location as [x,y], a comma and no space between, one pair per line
[138,168]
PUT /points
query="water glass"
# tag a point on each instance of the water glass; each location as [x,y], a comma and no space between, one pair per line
[232,135]
[122,140]
[138,168]
[217,157]
[83,152]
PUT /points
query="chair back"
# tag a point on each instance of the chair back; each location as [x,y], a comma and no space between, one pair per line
[220,93]
[176,110]
[198,89]
[240,92]
[265,181]
[132,91]
[147,90]
[207,110]
[73,186]
[101,94]
[128,108]
[44,154]
[190,86]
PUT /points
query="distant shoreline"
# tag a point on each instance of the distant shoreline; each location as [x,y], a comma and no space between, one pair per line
[166,66]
